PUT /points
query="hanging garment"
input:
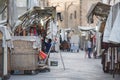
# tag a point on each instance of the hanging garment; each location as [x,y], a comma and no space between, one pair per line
[116,57]
[108,55]
[35,31]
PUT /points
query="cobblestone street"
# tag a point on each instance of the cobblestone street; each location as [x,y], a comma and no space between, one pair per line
[77,67]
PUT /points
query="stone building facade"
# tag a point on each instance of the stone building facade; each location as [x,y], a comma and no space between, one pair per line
[69,11]
[73,12]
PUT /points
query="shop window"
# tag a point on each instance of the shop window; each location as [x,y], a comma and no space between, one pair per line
[71,16]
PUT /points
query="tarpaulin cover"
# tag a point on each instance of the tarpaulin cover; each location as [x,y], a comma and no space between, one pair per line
[115,33]
[108,28]
[6,35]
[5,32]
[112,25]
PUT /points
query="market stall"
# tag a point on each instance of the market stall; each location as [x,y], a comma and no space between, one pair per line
[110,42]
[101,11]
[29,37]
[111,37]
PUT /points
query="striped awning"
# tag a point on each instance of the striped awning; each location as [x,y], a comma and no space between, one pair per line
[98,9]
[38,12]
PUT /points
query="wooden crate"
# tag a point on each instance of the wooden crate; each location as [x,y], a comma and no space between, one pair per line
[24,57]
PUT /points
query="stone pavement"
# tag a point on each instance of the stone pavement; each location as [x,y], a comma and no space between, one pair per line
[77,67]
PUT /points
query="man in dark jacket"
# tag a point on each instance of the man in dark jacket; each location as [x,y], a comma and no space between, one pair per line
[48,45]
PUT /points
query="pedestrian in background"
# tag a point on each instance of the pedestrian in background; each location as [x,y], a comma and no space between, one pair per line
[89,48]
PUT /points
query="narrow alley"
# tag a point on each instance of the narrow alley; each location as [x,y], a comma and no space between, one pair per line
[54,39]
[77,67]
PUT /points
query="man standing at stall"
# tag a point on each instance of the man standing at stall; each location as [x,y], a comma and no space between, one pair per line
[48,45]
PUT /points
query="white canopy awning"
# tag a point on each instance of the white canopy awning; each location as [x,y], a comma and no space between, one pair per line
[86,28]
